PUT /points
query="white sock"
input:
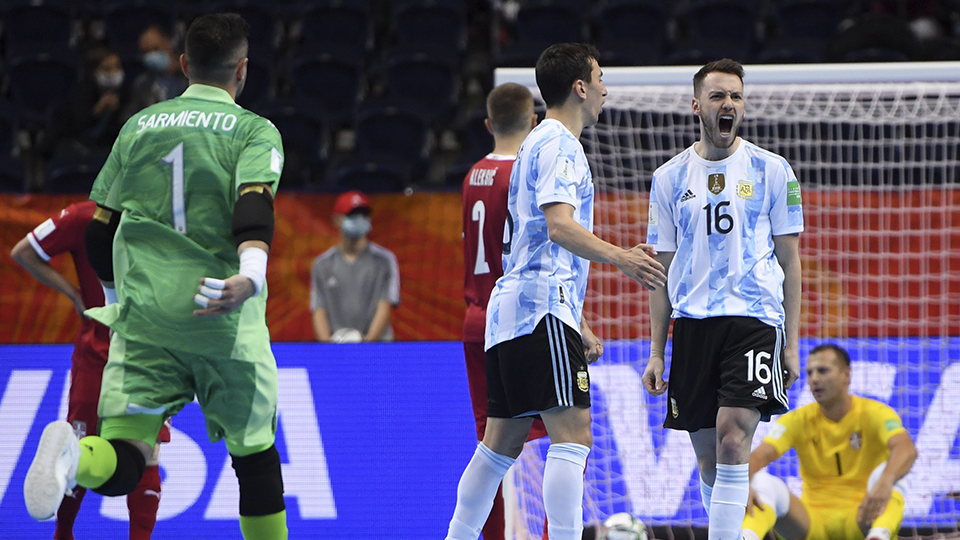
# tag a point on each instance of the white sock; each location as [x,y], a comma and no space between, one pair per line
[475,493]
[563,490]
[706,494]
[729,501]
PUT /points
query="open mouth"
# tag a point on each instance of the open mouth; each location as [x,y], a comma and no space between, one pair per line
[725,124]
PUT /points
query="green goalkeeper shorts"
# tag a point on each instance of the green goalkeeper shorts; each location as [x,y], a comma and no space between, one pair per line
[143,384]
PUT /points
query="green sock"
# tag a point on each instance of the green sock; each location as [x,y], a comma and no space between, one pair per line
[98,462]
[270,527]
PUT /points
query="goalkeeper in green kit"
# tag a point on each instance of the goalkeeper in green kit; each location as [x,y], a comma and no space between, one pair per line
[184,217]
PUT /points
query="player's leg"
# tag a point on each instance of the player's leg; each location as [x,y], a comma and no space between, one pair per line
[570,443]
[144,501]
[476,362]
[82,415]
[704,443]
[887,525]
[239,403]
[781,510]
[751,387]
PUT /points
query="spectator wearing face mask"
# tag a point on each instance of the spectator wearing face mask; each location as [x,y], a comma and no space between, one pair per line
[162,78]
[354,285]
[89,121]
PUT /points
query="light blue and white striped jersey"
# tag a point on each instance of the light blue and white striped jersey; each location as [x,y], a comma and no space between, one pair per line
[719,217]
[539,276]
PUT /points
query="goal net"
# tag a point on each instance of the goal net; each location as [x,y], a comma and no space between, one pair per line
[878,164]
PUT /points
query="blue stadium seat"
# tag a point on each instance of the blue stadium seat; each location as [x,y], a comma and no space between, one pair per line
[698,51]
[809,18]
[336,25]
[33,27]
[477,139]
[632,32]
[73,173]
[333,81]
[427,83]
[736,19]
[792,50]
[430,25]
[373,174]
[876,54]
[541,23]
[259,15]
[38,83]
[303,134]
[260,79]
[124,21]
[391,130]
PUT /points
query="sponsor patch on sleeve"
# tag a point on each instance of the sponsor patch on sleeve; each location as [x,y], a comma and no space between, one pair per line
[793,193]
[276,161]
[44,229]
[654,217]
[565,169]
[891,424]
[777,431]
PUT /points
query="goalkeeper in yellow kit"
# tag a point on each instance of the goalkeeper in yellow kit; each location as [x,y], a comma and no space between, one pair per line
[853,451]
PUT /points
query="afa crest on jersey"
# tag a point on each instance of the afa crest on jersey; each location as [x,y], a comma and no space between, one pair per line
[745,189]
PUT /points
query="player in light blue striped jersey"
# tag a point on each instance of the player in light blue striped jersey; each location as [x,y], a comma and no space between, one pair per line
[725,217]
[538,345]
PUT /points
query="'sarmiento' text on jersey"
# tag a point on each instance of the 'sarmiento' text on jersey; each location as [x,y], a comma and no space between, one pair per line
[209,120]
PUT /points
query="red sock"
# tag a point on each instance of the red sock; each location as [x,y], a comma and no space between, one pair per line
[143,504]
[495,525]
[67,514]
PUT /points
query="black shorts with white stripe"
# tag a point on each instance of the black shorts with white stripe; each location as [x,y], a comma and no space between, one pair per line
[537,372]
[724,362]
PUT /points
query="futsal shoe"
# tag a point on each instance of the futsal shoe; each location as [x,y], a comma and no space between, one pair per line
[878,533]
[53,471]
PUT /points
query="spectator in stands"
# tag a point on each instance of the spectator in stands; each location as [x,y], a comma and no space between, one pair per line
[163,78]
[92,116]
[354,285]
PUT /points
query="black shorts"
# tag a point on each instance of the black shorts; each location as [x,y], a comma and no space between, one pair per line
[537,372]
[724,362]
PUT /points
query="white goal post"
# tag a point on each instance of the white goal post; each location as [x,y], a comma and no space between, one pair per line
[876,148]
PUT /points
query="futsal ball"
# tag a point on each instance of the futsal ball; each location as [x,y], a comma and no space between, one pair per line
[346,335]
[624,526]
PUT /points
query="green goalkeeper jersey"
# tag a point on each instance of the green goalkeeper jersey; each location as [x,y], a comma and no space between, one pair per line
[174,171]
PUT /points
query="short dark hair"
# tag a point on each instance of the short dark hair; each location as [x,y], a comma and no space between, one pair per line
[724,65]
[509,107]
[838,350]
[214,45]
[560,66]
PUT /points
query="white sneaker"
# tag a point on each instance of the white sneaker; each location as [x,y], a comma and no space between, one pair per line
[878,533]
[53,471]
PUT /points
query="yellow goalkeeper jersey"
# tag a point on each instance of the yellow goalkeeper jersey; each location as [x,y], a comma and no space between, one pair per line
[836,458]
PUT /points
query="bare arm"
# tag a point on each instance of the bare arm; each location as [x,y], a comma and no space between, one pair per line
[380,321]
[636,263]
[237,288]
[660,311]
[761,456]
[787,250]
[592,345]
[28,258]
[903,453]
[321,325]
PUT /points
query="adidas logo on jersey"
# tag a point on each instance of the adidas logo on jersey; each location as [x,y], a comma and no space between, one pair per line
[759,393]
[687,196]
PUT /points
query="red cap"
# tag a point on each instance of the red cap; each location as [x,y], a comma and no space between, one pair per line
[350,201]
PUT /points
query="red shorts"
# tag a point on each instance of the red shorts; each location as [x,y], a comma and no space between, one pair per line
[477,376]
[83,400]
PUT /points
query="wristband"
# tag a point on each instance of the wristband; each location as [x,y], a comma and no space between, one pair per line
[253,264]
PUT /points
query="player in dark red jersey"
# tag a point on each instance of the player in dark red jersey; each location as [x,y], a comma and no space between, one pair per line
[510,117]
[65,233]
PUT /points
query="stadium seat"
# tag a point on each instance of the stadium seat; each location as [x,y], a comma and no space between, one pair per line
[736,18]
[38,83]
[258,14]
[11,175]
[698,51]
[31,27]
[124,21]
[260,79]
[809,18]
[631,32]
[791,50]
[333,81]
[876,54]
[541,23]
[430,25]
[391,130]
[429,84]
[303,134]
[73,173]
[8,128]
[476,139]
[334,26]
[373,174]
